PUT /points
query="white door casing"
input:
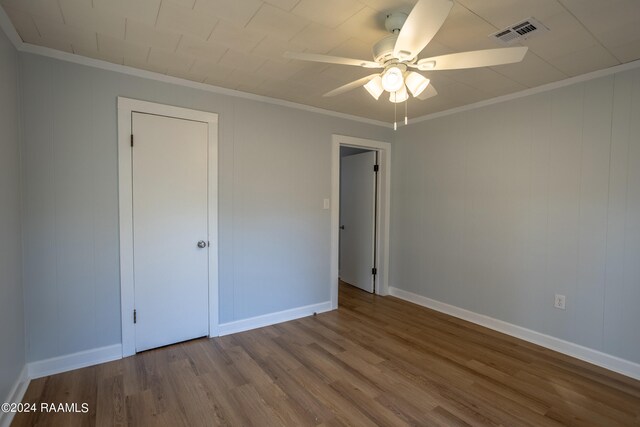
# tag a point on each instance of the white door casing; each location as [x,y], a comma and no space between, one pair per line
[357,219]
[384,210]
[126,110]
[169,220]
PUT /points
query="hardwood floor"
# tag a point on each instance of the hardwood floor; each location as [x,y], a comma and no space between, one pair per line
[375,361]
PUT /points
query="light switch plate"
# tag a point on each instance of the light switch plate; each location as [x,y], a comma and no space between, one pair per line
[326,204]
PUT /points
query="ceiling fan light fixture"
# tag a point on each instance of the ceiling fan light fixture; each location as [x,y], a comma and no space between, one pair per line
[399,96]
[374,87]
[416,83]
[393,79]
[411,33]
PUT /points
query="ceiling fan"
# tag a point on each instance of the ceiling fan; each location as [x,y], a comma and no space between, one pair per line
[398,54]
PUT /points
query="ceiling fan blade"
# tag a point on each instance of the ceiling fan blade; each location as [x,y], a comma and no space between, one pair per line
[429,92]
[350,86]
[315,57]
[473,59]
[421,25]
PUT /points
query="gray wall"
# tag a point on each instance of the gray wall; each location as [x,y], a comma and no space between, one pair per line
[494,210]
[497,209]
[274,172]
[12,353]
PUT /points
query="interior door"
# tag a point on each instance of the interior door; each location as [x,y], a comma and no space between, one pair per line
[357,219]
[169,230]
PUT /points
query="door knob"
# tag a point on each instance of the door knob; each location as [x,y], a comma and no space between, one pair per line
[342,227]
[202,244]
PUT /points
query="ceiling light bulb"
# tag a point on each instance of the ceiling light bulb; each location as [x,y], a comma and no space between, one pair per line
[416,83]
[392,79]
[399,96]
[374,87]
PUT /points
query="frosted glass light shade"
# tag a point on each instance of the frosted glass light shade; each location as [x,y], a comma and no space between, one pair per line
[392,79]
[374,87]
[400,95]
[416,83]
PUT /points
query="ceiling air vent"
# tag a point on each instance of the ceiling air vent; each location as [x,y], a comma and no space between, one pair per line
[520,31]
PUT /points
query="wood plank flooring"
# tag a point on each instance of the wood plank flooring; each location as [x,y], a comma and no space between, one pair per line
[377,361]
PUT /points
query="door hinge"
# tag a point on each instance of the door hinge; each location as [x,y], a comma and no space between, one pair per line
[132,140]
[376,168]
[135,317]
[374,271]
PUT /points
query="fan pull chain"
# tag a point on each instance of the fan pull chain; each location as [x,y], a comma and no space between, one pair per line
[406,118]
[395,111]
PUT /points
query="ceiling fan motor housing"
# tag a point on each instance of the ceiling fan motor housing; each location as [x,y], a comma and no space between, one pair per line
[395,21]
[383,50]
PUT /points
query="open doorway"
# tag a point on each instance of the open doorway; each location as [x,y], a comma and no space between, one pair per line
[358,212]
[360,215]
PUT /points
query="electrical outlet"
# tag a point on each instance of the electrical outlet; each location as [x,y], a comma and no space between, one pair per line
[560,302]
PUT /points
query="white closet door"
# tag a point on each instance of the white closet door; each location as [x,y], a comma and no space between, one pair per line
[170,230]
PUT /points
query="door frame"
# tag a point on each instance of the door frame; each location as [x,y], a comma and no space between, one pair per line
[383,207]
[126,107]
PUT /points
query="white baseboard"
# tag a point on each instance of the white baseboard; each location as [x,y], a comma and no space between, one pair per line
[15,396]
[607,361]
[272,318]
[69,362]
[109,353]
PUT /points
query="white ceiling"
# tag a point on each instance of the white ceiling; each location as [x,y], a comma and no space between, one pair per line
[238,44]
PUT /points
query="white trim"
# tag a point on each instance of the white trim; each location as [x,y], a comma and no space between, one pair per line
[534,90]
[607,361]
[110,353]
[131,105]
[69,362]
[104,65]
[15,396]
[7,26]
[273,318]
[384,210]
[126,107]
[9,29]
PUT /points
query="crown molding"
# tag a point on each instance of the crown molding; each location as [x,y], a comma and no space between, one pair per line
[532,91]
[10,30]
[123,69]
